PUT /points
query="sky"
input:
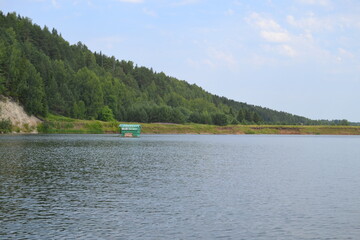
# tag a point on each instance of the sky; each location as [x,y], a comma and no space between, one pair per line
[297,56]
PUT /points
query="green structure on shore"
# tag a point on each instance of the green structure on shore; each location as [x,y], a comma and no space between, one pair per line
[130,130]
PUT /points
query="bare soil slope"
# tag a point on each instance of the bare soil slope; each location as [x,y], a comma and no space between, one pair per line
[22,122]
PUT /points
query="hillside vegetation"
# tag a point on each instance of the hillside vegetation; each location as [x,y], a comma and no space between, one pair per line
[42,71]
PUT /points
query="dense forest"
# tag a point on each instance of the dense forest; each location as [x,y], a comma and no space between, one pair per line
[42,71]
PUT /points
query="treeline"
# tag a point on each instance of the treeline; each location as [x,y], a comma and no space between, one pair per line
[46,74]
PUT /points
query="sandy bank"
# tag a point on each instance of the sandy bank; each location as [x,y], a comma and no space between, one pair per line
[21,121]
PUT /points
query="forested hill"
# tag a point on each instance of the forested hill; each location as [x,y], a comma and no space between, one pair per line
[46,74]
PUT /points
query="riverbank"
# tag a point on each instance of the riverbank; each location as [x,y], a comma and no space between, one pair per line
[59,124]
[14,119]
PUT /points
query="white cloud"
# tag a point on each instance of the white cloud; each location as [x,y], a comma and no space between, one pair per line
[282,50]
[131,1]
[264,23]
[275,36]
[349,21]
[281,42]
[311,23]
[316,2]
[229,12]
[185,2]
[109,43]
[237,2]
[55,4]
[344,55]
[193,63]
[288,51]
[222,57]
[261,60]
[270,30]
[215,58]
[331,23]
[209,63]
[149,12]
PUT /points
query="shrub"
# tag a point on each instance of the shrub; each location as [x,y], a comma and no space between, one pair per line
[219,119]
[43,127]
[106,114]
[94,127]
[5,126]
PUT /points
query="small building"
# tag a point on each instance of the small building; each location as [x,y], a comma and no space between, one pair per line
[130,130]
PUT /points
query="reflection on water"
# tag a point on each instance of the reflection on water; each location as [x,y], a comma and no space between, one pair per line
[179,186]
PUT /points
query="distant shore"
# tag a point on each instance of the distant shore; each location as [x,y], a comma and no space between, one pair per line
[67,125]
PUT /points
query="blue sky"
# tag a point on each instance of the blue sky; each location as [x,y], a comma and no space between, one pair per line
[298,56]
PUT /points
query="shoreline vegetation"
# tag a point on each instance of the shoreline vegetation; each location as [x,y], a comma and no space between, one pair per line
[64,125]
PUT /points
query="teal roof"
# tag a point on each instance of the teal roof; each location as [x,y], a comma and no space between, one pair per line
[130,125]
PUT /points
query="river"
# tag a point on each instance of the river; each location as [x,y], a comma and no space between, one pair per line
[179,187]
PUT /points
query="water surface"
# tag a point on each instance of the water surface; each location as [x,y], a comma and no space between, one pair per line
[179,187]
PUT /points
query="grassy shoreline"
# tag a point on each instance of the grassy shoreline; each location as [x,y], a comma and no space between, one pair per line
[59,124]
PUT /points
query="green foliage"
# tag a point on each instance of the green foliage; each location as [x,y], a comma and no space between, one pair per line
[52,117]
[94,127]
[44,127]
[106,114]
[234,121]
[203,118]
[246,116]
[256,118]
[2,85]
[241,116]
[177,116]
[249,131]
[46,74]
[79,110]
[219,119]
[89,90]
[344,122]
[5,126]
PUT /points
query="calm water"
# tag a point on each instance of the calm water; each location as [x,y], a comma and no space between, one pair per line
[179,187]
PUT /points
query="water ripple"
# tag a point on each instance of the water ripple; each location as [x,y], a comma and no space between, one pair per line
[179,187]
